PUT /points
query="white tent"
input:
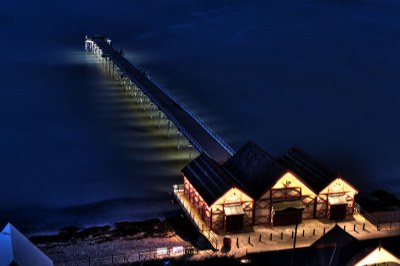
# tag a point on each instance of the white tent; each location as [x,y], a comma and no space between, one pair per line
[377,256]
[16,249]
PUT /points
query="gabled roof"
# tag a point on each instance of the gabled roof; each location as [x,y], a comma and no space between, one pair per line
[309,170]
[345,244]
[302,256]
[379,256]
[336,236]
[254,168]
[209,178]
[16,248]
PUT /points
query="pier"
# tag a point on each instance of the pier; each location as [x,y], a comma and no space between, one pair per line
[163,105]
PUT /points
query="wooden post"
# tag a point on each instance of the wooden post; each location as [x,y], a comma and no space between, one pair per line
[211,221]
[294,242]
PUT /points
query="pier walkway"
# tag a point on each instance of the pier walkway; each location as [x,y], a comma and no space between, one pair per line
[199,135]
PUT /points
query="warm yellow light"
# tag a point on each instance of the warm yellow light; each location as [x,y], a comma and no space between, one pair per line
[339,185]
[378,256]
[290,180]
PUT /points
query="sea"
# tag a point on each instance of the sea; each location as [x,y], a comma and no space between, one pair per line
[74,150]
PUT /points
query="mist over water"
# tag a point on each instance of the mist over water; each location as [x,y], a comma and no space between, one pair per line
[74,149]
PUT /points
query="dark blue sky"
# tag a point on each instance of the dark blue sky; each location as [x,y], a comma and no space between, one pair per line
[320,75]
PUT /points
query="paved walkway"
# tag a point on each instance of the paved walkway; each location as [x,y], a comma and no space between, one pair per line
[282,235]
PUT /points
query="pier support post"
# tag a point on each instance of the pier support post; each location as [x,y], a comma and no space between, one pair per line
[143,100]
[159,119]
[179,138]
[137,94]
[151,110]
[168,127]
[140,100]
[190,151]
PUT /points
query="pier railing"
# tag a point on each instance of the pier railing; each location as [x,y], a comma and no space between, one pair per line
[189,111]
[161,107]
[194,116]
[170,116]
[215,136]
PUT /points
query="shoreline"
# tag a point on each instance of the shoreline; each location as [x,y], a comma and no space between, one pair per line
[124,241]
[44,220]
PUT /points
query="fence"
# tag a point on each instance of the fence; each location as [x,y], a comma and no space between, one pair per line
[117,259]
[201,227]
[385,220]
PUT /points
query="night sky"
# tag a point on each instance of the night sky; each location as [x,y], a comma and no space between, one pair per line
[322,75]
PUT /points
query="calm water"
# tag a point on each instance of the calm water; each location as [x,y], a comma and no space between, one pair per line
[73,150]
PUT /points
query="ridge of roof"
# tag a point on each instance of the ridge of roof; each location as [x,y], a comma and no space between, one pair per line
[316,175]
[208,177]
[254,168]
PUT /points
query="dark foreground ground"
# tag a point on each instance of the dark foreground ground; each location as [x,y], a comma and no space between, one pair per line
[122,242]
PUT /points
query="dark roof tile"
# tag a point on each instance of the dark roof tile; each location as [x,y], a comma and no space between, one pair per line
[254,168]
[208,177]
[309,170]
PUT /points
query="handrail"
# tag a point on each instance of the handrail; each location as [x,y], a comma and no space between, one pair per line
[164,110]
[206,232]
[194,116]
[372,219]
